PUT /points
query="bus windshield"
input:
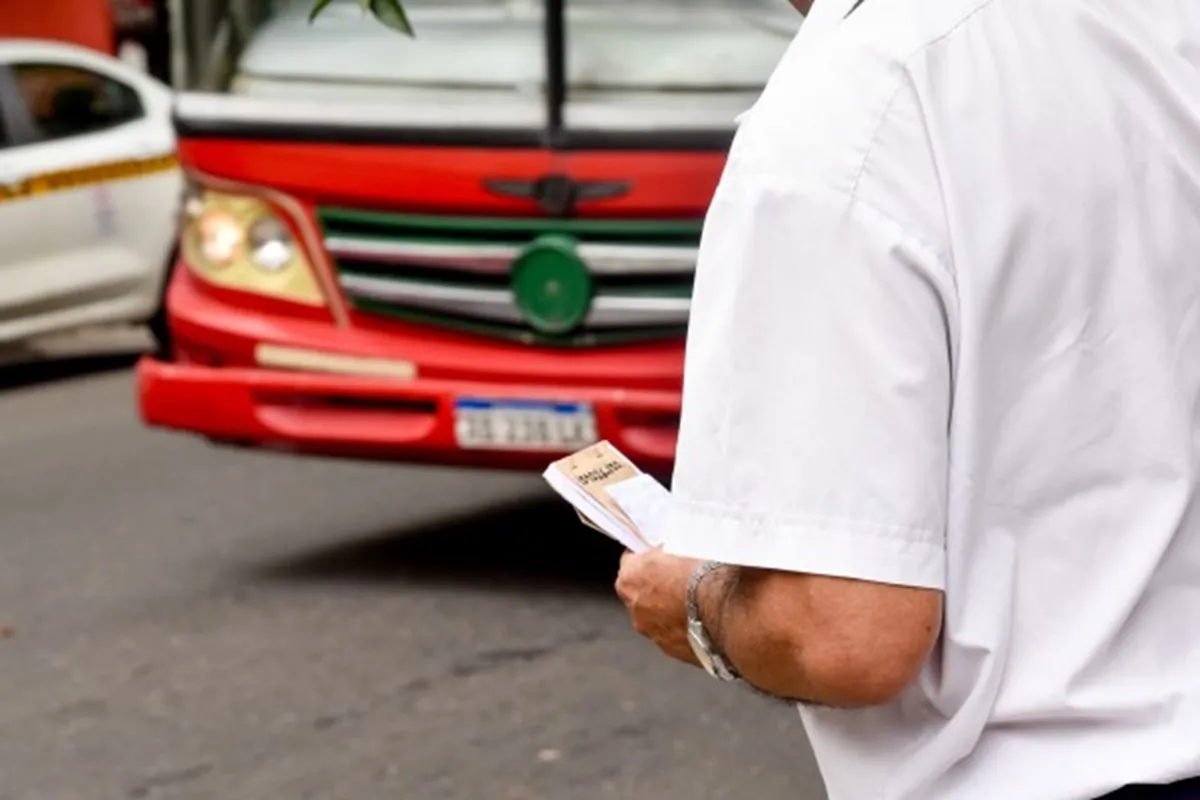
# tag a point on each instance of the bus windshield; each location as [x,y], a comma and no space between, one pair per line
[628,62]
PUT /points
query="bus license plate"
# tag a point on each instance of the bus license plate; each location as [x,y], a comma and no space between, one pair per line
[523,425]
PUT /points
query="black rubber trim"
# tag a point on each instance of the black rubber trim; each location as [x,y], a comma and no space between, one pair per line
[555,42]
[159,323]
[679,140]
[498,138]
[324,133]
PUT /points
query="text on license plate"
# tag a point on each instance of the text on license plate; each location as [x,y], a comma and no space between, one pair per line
[523,425]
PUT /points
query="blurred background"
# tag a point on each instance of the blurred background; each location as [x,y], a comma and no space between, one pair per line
[292,316]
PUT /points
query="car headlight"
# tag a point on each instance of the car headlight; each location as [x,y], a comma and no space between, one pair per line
[240,242]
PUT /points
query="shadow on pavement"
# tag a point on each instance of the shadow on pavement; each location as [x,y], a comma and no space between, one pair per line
[532,546]
[33,373]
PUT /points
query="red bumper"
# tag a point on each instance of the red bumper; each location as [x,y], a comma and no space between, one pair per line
[379,419]
[225,396]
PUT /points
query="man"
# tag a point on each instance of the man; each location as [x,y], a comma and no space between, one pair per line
[939,455]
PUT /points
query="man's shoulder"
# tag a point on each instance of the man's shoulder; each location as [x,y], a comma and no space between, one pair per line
[843,111]
[840,82]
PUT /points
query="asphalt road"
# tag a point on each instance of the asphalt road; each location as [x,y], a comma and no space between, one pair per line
[179,621]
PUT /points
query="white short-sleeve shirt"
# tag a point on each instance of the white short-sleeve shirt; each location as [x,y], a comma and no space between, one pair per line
[946,333]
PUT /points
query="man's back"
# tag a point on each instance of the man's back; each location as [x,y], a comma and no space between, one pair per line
[1043,159]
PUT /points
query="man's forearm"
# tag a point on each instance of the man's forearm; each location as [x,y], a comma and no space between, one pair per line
[819,640]
[728,605]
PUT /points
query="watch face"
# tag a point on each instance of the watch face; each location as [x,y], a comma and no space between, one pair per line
[696,640]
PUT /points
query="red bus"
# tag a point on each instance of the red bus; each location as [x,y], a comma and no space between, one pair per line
[102,25]
[88,23]
[473,247]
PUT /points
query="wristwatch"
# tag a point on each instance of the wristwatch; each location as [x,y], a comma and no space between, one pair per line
[710,658]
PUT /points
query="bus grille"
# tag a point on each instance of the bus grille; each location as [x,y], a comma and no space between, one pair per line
[567,283]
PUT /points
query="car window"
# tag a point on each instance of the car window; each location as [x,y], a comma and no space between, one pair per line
[65,101]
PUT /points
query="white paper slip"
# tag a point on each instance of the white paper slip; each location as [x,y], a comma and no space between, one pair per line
[585,479]
[648,503]
[594,511]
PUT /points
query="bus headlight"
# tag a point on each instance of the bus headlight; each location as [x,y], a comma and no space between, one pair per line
[271,245]
[220,236]
[240,242]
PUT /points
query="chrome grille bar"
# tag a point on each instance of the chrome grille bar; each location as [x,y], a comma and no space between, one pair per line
[601,258]
[485,258]
[498,305]
[494,305]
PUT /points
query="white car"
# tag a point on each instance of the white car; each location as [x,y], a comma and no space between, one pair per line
[90,190]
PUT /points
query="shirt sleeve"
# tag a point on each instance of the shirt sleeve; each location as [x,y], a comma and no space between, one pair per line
[814,431]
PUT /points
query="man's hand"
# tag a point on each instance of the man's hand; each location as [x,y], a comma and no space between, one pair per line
[653,586]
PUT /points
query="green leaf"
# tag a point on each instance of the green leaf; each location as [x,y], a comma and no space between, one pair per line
[390,13]
[317,8]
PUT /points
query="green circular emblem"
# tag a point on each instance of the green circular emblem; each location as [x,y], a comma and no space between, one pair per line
[551,285]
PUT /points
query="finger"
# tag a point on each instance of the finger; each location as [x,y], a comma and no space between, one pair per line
[624,589]
[628,563]
[623,593]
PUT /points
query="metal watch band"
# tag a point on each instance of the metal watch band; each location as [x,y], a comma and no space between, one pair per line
[701,572]
[723,671]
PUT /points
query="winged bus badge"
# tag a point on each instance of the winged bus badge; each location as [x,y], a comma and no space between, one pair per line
[557,195]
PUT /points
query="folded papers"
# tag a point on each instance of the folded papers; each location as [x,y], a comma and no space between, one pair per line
[613,496]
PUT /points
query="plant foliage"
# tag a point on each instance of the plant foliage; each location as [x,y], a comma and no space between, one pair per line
[389,12]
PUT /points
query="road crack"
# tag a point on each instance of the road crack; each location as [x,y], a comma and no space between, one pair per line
[490,660]
[171,778]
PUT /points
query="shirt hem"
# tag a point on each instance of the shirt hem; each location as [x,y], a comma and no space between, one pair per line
[816,545]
